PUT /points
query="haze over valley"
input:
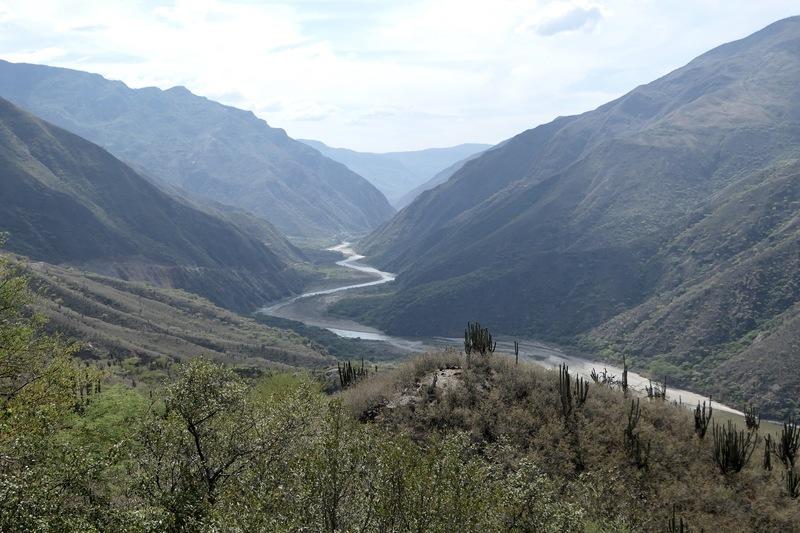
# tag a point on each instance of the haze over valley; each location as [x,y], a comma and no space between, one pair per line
[585,323]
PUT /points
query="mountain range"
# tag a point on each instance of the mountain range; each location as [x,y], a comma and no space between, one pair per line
[216,151]
[664,225]
[397,174]
[70,202]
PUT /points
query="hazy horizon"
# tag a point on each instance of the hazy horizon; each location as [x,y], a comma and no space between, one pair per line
[383,77]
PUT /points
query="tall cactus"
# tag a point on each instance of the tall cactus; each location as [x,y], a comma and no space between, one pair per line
[564,390]
[768,446]
[702,419]
[581,390]
[624,382]
[786,448]
[638,451]
[732,448]
[792,483]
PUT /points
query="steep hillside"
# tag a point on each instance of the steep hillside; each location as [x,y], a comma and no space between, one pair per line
[397,173]
[66,200]
[728,303]
[439,178]
[220,152]
[118,320]
[564,227]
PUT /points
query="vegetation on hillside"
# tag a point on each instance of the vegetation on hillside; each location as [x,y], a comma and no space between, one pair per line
[626,463]
[445,442]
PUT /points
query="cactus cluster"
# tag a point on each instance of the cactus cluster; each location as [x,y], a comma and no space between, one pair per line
[786,448]
[349,374]
[571,398]
[702,418]
[752,418]
[732,448]
[478,340]
[603,378]
[768,446]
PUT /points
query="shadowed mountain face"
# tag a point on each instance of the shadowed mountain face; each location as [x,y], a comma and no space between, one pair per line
[68,201]
[663,224]
[397,174]
[219,152]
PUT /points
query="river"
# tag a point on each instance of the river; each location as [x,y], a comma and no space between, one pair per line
[310,307]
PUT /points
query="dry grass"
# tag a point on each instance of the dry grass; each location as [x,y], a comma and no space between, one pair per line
[519,406]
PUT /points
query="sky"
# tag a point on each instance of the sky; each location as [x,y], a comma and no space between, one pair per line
[385,75]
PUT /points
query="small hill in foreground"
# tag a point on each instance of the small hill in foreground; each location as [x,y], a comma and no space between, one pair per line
[515,419]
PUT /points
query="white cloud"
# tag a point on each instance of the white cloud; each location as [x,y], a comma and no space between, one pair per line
[570,18]
[384,75]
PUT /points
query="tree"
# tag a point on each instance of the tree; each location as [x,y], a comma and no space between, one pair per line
[200,434]
[207,432]
[45,482]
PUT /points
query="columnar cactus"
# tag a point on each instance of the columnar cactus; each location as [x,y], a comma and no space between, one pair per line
[732,448]
[478,339]
[752,418]
[786,448]
[702,419]
[638,451]
[349,374]
[768,446]
[564,390]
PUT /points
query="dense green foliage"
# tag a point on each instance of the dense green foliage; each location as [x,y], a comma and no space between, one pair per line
[217,151]
[662,225]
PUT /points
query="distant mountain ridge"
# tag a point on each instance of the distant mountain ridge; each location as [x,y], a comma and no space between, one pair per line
[396,174]
[68,201]
[663,225]
[217,151]
[439,178]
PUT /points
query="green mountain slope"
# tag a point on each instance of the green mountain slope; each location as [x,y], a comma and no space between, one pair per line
[66,200]
[684,184]
[219,152]
[396,174]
